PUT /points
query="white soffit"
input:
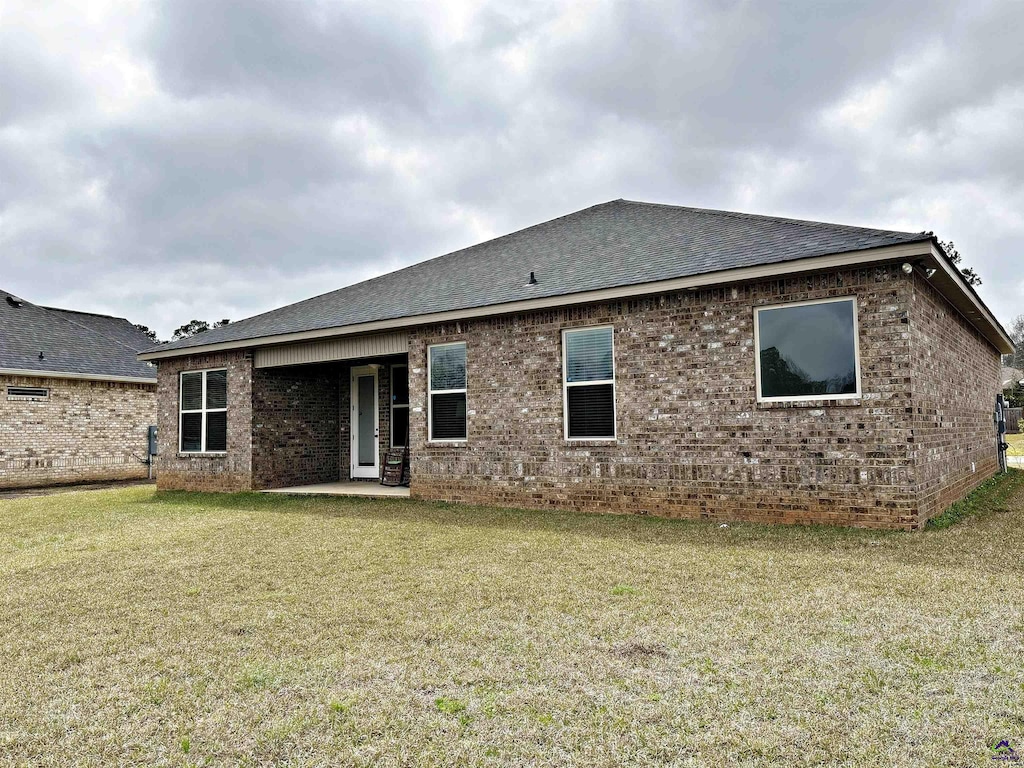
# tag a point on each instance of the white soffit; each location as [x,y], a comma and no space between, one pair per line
[344,348]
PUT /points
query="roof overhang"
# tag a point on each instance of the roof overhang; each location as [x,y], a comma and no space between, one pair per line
[951,284]
[81,376]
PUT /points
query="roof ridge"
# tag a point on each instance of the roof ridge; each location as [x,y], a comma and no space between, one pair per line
[79,327]
[762,216]
[80,312]
[416,264]
[93,331]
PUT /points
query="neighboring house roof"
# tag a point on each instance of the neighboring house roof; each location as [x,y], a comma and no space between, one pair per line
[116,328]
[611,245]
[73,344]
[1010,376]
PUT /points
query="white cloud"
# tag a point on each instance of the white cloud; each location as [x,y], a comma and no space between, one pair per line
[210,158]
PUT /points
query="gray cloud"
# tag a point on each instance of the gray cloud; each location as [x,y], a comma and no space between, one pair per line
[211,159]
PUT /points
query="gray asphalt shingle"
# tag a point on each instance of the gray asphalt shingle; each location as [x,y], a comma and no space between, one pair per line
[609,245]
[70,342]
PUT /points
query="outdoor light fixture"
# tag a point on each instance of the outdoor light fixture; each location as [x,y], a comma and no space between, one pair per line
[908,268]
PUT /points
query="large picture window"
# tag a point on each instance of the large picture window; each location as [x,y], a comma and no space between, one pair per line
[446,371]
[807,351]
[588,383]
[203,424]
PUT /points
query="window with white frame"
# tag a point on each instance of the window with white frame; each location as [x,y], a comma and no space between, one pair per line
[446,374]
[588,383]
[807,351]
[399,406]
[203,425]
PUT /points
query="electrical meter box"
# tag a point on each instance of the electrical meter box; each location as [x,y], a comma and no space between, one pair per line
[152,441]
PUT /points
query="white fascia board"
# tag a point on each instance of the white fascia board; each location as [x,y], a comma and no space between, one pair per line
[977,307]
[80,376]
[742,274]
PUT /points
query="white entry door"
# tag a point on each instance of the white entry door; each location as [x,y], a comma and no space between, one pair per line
[365,427]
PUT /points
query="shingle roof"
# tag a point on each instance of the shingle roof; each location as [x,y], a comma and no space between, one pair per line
[71,342]
[609,245]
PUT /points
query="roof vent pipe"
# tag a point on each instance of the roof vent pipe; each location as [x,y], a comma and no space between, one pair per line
[532,280]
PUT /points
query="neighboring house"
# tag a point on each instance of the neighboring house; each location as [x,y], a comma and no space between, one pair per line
[75,402]
[630,357]
[1010,377]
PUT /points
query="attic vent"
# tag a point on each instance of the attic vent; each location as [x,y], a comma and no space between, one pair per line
[27,393]
[14,302]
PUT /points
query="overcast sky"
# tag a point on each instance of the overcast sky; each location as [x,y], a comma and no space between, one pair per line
[165,161]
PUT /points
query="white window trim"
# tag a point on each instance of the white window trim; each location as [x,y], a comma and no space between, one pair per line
[566,384]
[204,410]
[391,424]
[807,398]
[431,392]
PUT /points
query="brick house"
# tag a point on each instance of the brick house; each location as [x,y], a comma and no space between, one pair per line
[630,357]
[75,403]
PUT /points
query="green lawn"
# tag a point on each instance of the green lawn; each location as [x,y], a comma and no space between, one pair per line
[1016,443]
[186,629]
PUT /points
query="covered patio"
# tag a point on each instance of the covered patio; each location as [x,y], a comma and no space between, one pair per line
[344,488]
[324,415]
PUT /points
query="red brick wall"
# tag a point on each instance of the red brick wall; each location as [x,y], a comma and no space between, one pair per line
[956,376]
[295,425]
[85,431]
[692,441]
[206,472]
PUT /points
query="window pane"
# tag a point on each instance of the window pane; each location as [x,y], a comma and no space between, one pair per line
[400,427]
[191,391]
[216,389]
[192,432]
[807,350]
[448,417]
[448,367]
[217,431]
[588,355]
[591,411]
[400,385]
[366,400]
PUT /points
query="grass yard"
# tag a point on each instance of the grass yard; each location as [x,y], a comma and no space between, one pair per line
[187,629]
[1016,443]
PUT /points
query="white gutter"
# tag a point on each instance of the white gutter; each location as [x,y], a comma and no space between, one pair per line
[81,376]
[742,274]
